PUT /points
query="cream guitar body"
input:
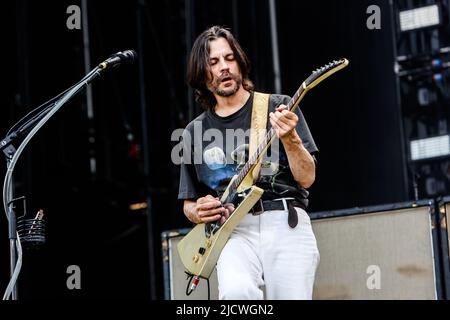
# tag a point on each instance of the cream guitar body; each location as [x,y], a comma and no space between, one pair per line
[200,248]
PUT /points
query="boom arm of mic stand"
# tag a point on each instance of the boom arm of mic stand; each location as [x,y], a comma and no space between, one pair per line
[93,74]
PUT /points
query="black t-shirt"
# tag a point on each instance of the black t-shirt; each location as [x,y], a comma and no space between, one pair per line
[216,148]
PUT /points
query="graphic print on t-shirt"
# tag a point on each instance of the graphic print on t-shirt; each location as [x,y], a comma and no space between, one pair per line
[215,158]
[221,171]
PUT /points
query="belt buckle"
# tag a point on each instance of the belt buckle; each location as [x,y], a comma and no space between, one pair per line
[259,205]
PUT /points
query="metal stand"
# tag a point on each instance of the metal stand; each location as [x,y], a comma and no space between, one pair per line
[12,235]
[13,155]
[29,126]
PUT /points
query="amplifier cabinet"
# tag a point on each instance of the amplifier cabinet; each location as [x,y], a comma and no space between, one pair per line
[380,252]
[444,214]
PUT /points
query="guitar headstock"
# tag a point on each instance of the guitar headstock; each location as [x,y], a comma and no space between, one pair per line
[321,74]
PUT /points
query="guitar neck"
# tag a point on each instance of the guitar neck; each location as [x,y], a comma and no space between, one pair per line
[267,141]
[313,80]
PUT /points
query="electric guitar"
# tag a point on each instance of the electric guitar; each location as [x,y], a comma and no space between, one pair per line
[200,249]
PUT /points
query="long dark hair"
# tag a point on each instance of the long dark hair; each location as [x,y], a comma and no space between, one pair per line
[198,65]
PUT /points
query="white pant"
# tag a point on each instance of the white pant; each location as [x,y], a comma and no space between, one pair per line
[263,252]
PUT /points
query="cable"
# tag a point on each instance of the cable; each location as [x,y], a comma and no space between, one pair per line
[7,182]
[6,192]
[192,283]
[31,114]
[188,290]
[16,272]
[195,280]
[46,105]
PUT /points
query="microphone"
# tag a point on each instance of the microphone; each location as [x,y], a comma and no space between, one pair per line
[127,56]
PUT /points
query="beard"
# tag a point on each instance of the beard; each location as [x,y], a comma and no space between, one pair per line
[226,92]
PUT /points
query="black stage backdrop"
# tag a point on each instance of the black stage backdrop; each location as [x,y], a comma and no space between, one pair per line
[354,118]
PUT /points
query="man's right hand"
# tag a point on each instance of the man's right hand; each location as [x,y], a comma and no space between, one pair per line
[205,209]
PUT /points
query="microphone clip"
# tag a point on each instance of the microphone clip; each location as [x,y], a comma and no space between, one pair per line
[127,56]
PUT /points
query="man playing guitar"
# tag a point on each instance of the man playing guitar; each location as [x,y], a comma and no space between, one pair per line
[272,253]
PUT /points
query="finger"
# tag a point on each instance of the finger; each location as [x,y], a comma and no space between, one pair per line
[280,119]
[281,129]
[286,116]
[205,199]
[220,211]
[211,211]
[277,132]
[284,124]
[281,107]
[280,116]
[274,124]
[229,207]
[201,200]
[289,115]
[275,127]
[209,205]
[273,118]
[211,219]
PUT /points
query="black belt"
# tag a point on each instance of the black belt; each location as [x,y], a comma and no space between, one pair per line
[269,205]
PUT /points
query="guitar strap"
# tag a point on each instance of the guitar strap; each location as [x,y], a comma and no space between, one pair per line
[258,126]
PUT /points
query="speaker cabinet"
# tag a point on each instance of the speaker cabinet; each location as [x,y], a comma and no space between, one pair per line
[380,252]
[444,214]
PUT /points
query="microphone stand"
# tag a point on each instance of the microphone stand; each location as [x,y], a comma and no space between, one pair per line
[12,155]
